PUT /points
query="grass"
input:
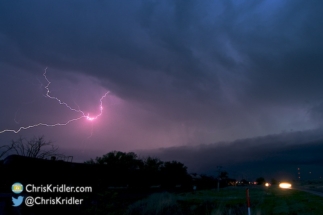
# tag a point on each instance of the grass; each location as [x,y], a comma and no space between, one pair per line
[279,201]
[316,185]
[232,200]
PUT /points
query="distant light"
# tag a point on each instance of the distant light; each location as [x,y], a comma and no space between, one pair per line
[267,184]
[285,185]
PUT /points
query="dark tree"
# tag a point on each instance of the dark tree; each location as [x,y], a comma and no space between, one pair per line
[120,167]
[152,164]
[119,160]
[35,147]
[207,182]
[224,178]
[274,181]
[4,150]
[151,171]
[260,181]
[174,173]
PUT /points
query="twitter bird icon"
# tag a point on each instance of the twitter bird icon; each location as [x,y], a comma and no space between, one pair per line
[17,201]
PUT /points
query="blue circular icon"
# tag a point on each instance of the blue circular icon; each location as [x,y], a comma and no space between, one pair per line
[17,187]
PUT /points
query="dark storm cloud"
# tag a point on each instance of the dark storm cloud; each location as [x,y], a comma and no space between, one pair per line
[267,155]
[279,45]
[220,69]
[106,40]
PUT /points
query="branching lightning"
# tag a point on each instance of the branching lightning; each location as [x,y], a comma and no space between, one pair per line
[83,115]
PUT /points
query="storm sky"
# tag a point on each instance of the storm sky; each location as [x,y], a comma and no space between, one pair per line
[184,78]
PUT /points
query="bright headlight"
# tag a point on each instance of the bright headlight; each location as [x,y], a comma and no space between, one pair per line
[285,185]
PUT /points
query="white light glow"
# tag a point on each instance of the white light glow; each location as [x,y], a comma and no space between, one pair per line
[285,185]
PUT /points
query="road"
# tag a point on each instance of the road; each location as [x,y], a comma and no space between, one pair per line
[309,191]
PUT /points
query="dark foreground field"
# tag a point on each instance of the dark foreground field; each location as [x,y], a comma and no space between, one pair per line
[231,200]
[228,201]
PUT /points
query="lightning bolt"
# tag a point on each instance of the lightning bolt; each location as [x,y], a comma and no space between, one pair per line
[83,115]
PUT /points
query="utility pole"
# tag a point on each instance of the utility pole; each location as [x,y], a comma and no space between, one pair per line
[248,200]
[219,178]
[299,173]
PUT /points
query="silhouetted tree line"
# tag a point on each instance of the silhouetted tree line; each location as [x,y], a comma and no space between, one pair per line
[35,147]
[209,182]
[114,170]
[127,170]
